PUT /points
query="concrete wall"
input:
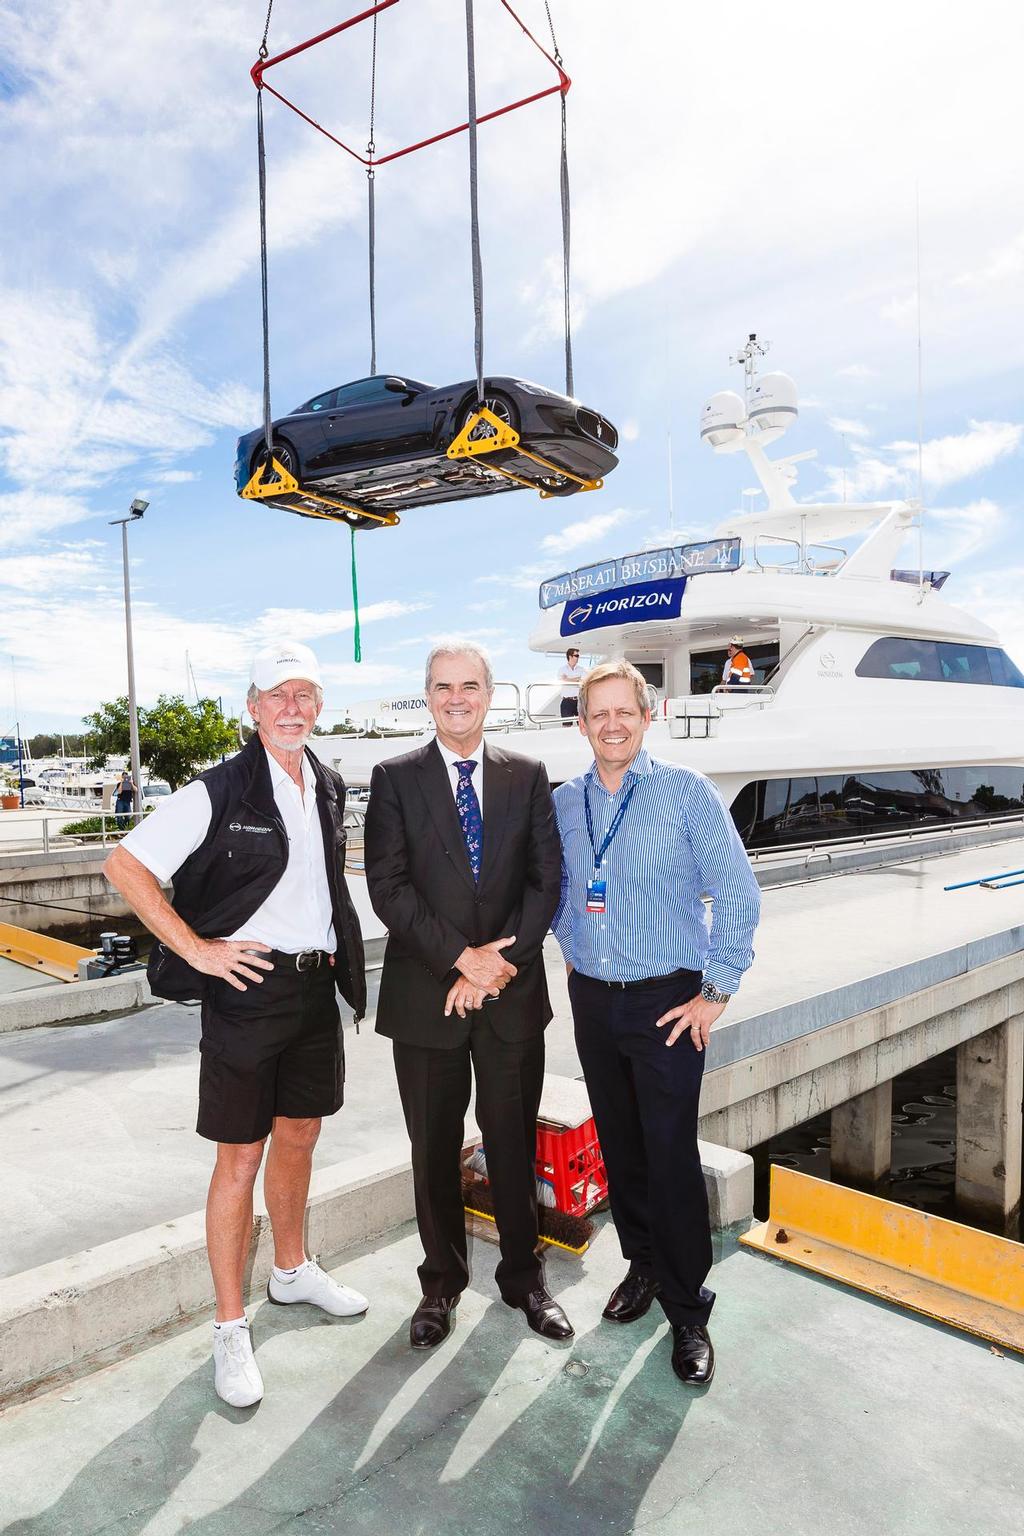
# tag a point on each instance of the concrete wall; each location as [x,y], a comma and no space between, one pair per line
[748,1101]
[70,878]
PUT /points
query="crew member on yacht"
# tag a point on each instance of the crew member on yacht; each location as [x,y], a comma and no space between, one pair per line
[642,842]
[261,929]
[570,677]
[737,668]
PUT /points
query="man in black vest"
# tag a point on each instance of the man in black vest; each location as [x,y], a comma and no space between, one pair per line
[463,866]
[262,930]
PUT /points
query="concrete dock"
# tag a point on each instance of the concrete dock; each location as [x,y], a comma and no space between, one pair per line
[830,1415]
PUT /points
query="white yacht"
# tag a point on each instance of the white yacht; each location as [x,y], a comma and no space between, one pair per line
[877,704]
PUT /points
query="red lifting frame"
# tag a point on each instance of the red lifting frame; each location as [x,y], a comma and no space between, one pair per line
[261,66]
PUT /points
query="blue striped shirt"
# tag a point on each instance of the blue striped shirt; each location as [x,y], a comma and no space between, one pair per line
[676,843]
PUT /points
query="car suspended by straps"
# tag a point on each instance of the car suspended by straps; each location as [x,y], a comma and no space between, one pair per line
[368,450]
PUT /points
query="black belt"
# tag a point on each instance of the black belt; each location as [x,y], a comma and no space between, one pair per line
[305,960]
[635,986]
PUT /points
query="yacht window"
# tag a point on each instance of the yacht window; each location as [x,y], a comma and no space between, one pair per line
[706,667]
[942,661]
[964,663]
[1005,673]
[774,812]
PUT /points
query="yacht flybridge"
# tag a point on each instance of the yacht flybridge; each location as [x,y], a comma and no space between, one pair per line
[876,704]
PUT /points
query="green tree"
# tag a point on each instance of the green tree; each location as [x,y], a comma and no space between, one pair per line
[175,739]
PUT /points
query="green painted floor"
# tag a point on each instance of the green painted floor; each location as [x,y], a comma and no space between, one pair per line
[829,1414]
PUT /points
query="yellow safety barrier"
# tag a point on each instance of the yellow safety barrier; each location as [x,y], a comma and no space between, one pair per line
[955,1274]
[504,437]
[54,957]
[314,503]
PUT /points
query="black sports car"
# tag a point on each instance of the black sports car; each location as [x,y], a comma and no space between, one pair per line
[382,444]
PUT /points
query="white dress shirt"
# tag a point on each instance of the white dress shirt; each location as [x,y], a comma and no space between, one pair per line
[477,755]
[297,914]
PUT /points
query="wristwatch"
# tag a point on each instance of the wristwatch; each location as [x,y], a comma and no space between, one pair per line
[710,993]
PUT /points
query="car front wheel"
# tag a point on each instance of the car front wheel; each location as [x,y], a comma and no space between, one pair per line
[500,406]
[285,455]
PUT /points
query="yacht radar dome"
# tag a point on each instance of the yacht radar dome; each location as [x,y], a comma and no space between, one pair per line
[773,406]
[722,421]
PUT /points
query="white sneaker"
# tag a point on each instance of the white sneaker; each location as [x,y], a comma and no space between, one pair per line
[310,1284]
[235,1373]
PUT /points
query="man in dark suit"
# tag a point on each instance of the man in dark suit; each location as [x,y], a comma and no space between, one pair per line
[463,867]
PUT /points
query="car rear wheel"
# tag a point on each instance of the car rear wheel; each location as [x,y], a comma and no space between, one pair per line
[500,406]
[558,485]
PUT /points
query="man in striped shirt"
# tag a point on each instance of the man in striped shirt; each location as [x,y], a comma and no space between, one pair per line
[642,843]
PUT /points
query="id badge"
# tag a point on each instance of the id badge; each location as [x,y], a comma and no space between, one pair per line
[596,890]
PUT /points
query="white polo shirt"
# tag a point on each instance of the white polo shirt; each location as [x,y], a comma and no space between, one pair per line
[573,675]
[477,756]
[297,914]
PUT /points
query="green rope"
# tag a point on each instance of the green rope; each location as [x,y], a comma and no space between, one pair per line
[357,644]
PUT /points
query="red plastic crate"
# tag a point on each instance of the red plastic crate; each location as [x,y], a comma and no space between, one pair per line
[570,1158]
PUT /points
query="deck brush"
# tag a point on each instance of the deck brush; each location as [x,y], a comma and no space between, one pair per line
[558,1230]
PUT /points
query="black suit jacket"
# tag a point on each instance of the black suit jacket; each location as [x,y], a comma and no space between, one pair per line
[422,888]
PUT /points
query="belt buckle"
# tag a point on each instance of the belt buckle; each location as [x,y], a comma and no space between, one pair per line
[307,960]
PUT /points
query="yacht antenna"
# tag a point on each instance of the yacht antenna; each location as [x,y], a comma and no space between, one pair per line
[747,357]
[671,508]
[920,407]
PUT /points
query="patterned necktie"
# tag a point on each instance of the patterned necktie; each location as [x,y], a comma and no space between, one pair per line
[468,807]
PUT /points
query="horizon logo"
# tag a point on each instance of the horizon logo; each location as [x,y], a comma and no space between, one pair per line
[636,604]
[237,826]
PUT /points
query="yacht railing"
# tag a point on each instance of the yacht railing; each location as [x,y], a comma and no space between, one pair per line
[803,561]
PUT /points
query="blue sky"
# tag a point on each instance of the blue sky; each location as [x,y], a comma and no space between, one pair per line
[750,171]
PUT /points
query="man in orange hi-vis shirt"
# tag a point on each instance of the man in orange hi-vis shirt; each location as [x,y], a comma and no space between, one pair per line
[737,669]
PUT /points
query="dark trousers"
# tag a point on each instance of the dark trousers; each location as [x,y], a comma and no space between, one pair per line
[645,1097]
[569,710]
[435,1087]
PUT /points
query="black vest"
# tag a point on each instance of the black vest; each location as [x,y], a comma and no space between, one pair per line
[242,859]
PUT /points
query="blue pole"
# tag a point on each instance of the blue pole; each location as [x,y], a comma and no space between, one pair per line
[21,771]
[963,884]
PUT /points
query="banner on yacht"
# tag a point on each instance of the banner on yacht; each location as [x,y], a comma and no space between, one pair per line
[648,565]
[639,604]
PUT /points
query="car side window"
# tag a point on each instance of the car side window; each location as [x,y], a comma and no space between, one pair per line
[324,402]
[362,392]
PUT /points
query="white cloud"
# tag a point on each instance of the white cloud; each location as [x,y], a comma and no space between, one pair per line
[961,532]
[948,459]
[847,426]
[945,460]
[587,531]
[72,566]
[1006,263]
[175,476]
[24,515]
[856,371]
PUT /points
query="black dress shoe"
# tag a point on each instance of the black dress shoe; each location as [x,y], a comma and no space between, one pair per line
[543,1314]
[432,1321]
[631,1298]
[693,1354]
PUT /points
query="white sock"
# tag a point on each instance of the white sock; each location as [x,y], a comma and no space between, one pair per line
[284,1275]
[234,1322]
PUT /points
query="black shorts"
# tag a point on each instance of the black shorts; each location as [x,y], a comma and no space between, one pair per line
[275,1049]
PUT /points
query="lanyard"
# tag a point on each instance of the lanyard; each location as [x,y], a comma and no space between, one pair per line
[599,853]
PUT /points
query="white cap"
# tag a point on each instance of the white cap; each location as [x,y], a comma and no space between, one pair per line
[283,661]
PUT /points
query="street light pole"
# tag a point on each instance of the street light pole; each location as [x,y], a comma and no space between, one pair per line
[136,510]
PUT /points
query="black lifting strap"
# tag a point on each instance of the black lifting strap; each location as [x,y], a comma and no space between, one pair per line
[566,218]
[371,218]
[268,431]
[474,211]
